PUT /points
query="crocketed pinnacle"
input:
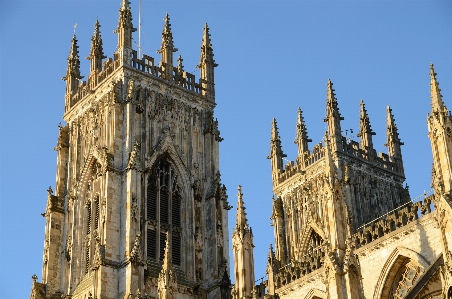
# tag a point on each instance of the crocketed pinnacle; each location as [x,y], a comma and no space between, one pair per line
[206,48]
[241,221]
[125,26]
[435,92]
[271,256]
[392,136]
[365,130]
[97,52]
[73,62]
[167,260]
[301,135]
[180,66]
[167,36]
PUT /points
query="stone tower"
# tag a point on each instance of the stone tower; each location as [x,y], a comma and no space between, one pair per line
[334,189]
[139,210]
[242,247]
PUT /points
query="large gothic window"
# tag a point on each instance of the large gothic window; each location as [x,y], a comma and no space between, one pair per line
[163,211]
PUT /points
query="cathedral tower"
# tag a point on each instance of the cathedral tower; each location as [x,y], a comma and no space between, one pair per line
[333,189]
[139,209]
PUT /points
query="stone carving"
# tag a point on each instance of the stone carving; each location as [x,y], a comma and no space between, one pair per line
[135,254]
[134,208]
[134,157]
[99,253]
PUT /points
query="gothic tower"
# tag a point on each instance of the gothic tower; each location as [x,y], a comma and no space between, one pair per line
[333,189]
[138,209]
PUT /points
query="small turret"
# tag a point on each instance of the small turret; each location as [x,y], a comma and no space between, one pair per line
[333,118]
[365,131]
[125,29]
[301,138]
[167,49]
[207,65]
[276,154]
[72,72]
[97,52]
[435,93]
[393,141]
[242,247]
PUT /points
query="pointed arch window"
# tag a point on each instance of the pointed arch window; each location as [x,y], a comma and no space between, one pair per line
[163,208]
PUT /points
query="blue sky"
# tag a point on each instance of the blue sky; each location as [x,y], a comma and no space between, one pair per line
[273,57]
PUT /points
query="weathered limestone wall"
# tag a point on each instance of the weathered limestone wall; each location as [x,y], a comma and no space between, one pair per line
[418,240]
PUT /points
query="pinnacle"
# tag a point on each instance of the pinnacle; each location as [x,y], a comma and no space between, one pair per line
[241,221]
[125,4]
[206,35]
[275,134]
[180,66]
[435,92]
[167,264]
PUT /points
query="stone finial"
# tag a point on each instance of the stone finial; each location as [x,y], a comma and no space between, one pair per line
[365,130]
[97,52]
[435,92]
[301,136]
[34,278]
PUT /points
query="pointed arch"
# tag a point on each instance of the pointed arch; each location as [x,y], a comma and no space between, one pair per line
[315,294]
[393,267]
[306,236]
[166,201]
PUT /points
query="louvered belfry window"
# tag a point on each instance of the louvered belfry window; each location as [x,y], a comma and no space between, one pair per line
[163,207]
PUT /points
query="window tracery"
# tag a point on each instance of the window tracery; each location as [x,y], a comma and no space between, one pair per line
[163,207]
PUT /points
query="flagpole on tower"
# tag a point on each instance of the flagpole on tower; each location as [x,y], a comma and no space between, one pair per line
[139,29]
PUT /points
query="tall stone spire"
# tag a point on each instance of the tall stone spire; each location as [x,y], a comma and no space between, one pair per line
[393,141]
[301,137]
[167,49]
[242,247]
[435,92]
[97,52]
[365,131]
[72,72]
[125,26]
[333,118]
[276,154]
[167,277]
[207,65]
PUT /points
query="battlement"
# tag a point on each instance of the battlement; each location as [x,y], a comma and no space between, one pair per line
[393,220]
[382,160]
[125,56]
[305,265]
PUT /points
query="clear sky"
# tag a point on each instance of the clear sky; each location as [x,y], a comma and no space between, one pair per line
[273,56]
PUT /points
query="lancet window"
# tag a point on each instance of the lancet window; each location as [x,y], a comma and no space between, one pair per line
[92,226]
[163,202]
